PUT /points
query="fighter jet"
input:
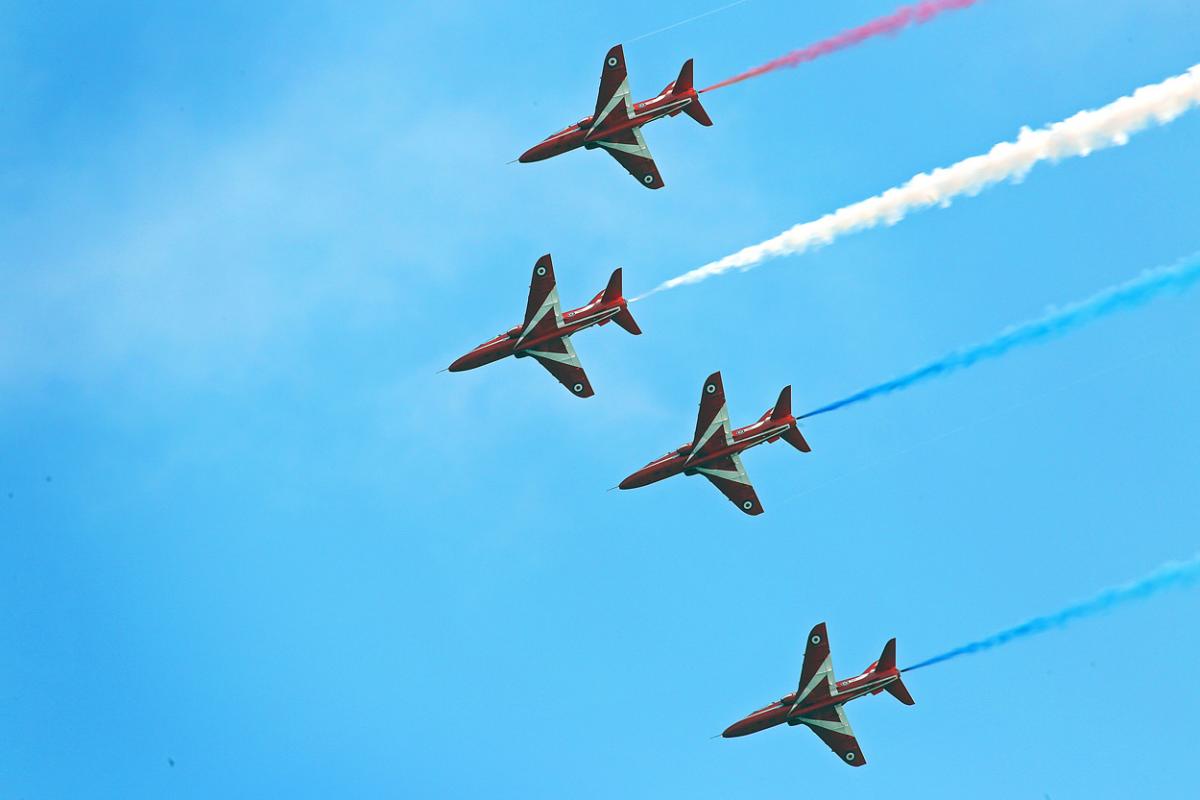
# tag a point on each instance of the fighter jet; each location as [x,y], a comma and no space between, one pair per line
[713,452]
[818,700]
[617,123]
[546,332]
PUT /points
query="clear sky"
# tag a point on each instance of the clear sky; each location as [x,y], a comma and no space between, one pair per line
[245,526]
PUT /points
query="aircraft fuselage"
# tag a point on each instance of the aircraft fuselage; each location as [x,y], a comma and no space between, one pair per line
[511,343]
[676,462]
[583,134]
[784,710]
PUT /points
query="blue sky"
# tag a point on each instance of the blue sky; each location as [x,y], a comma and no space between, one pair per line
[246,527]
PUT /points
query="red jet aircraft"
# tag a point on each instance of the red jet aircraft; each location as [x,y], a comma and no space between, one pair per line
[713,452]
[546,332]
[617,124]
[818,700]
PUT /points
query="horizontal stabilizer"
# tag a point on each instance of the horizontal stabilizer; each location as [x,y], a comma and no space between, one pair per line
[796,439]
[899,691]
[626,321]
[697,112]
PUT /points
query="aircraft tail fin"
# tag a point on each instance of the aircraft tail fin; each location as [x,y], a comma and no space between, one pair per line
[783,411]
[612,293]
[613,290]
[683,85]
[887,661]
[783,406]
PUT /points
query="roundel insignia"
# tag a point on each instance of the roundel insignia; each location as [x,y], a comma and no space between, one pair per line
[541,270]
[578,387]
[849,756]
[648,179]
[749,504]
[710,388]
[816,640]
[612,61]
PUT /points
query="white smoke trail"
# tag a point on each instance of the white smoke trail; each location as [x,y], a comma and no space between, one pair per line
[1079,135]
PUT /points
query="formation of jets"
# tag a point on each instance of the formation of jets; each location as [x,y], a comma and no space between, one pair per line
[716,447]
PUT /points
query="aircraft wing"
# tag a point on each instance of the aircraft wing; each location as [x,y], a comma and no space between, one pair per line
[727,474]
[830,724]
[816,683]
[543,313]
[613,99]
[628,147]
[713,431]
[816,676]
[559,359]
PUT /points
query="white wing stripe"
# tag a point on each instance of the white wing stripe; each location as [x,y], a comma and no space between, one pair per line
[549,304]
[842,726]
[737,474]
[727,474]
[825,671]
[568,357]
[719,422]
[632,149]
[638,149]
[622,93]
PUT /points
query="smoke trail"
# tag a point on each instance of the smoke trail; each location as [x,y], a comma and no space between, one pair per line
[1079,135]
[892,23]
[1054,322]
[1169,576]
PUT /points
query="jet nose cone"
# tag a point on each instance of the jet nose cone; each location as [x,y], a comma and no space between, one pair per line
[460,364]
[643,477]
[733,730]
[531,154]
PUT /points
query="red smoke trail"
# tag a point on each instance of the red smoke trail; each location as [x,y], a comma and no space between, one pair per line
[908,15]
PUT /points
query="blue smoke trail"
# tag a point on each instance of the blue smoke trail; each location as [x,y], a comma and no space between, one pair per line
[1169,576]
[1057,321]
